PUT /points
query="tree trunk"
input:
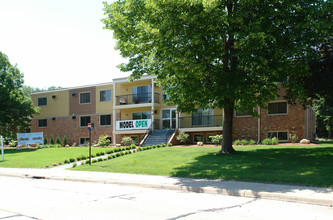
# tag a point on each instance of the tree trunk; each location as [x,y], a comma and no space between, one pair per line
[227,130]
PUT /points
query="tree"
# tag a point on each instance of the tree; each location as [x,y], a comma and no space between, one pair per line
[224,54]
[15,111]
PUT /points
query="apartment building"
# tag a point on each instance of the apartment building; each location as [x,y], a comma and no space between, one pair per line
[136,109]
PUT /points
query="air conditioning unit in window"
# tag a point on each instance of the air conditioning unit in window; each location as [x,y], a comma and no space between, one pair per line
[74,94]
[54,96]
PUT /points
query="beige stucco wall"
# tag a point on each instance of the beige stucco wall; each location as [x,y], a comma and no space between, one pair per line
[107,106]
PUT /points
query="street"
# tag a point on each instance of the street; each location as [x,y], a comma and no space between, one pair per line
[50,199]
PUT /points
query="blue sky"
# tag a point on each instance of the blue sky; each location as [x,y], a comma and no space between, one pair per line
[58,42]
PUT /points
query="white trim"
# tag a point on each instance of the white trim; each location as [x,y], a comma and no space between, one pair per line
[99,95]
[85,102]
[125,79]
[170,119]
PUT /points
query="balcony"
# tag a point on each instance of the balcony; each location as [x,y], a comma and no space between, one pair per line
[201,121]
[142,98]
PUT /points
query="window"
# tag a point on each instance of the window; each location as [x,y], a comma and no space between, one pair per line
[203,117]
[164,95]
[280,135]
[85,98]
[242,113]
[141,94]
[84,141]
[42,101]
[141,115]
[42,123]
[276,108]
[105,95]
[84,120]
[198,138]
[105,120]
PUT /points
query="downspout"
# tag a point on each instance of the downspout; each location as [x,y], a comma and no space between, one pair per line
[258,141]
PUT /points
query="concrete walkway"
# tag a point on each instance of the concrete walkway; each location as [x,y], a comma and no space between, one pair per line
[302,194]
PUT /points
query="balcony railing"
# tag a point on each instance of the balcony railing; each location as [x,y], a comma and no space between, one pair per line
[137,98]
[201,121]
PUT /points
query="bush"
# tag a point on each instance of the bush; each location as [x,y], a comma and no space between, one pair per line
[12,143]
[244,142]
[109,157]
[118,154]
[237,142]
[64,141]
[252,142]
[74,164]
[133,146]
[275,141]
[71,160]
[267,141]
[100,159]
[58,141]
[103,141]
[121,153]
[169,145]
[162,145]
[51,140]
[140,149]
[183,137]
[83,157]
[93,155]
[110,151]
[45,140]
[102,153]
[293,138]
[154,146]
[127,141]
[98,154]
[66,161]
[78,158]
[94,161]
[216,139]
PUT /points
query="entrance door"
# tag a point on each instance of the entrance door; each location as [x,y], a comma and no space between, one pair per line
[168,118]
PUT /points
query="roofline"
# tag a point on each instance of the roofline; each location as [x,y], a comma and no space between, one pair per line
[126,79]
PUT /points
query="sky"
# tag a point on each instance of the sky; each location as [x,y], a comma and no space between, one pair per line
[59,42]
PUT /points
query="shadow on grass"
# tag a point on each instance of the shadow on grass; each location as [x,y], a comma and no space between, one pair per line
[15,151]
[297,166]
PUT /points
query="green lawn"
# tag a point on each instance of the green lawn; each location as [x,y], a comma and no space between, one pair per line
[39,158]
[310,165]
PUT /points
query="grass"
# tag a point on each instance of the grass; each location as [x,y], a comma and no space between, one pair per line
[39,158]
[303,165]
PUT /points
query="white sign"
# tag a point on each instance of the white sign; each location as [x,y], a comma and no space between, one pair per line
[29,138]
[133,124]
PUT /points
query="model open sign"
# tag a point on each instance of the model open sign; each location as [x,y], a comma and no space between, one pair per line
[133,124]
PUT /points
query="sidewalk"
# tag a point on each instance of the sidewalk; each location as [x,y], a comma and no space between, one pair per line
[302,194]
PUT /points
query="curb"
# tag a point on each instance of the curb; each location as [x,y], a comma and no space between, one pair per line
[165,186]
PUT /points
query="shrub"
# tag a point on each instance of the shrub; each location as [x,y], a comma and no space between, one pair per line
[244,142]
[87,161]
[83,157]
[100,159]
[109,151]
[102,153]
[118,154]
[183,137]
[127,148]
[103,141]
[60,163]
[129,152]
[98,154]
[126,152]
[252,142]
[169,145]
[237,142]
[216,139]
[127,141]
[140,149]
[12,143]
[93,155]
[78,158]
[133,146]
[94,161]
[293,138]
[74,164]
[162,145]
[121,153]
[64,141]
[58,141]
[71,160]
[51,140]
[55,164]
[154,146]
[66,161]
[267,141]
[275,141]
[105,159]
[45,140]
[109,157]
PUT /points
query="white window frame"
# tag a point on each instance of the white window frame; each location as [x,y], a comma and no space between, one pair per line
[81,119]
[280,101]
[101,120]
[41,98]
[277,132]
[84,102]
[105,91]
[86,138]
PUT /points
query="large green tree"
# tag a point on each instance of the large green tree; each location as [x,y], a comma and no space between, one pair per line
[226,54]
[15,110]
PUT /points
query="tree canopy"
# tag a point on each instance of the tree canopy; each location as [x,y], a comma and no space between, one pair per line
[15,110]
[227,54]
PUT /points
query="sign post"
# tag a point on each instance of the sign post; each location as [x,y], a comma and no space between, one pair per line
[90,127]
[2,153]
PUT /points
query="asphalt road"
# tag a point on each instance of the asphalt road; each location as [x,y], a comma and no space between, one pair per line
[22,198]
